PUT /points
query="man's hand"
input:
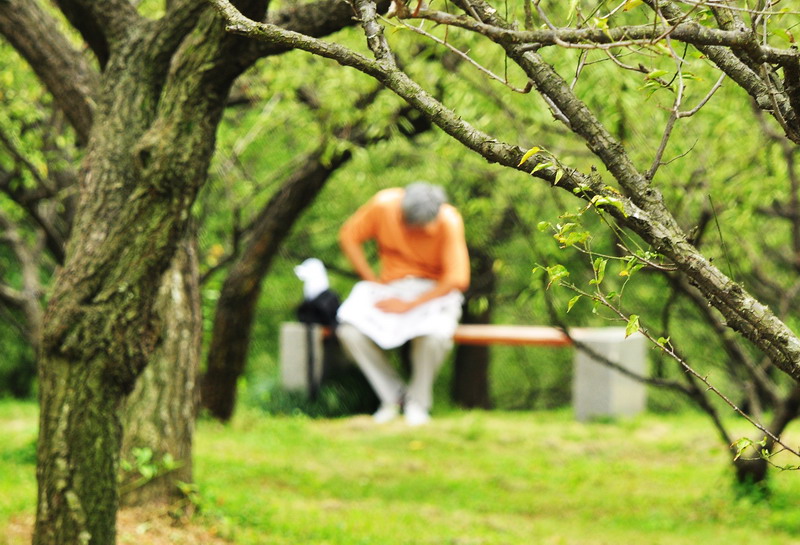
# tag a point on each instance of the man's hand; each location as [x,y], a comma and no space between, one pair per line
[395,305]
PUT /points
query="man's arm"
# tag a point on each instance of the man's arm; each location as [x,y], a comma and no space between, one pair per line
[354,252]
[354,233]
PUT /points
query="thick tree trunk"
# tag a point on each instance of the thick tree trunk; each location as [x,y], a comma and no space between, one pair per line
[151,124]
[78,437]
[149,152]
[237,302]
[159,415]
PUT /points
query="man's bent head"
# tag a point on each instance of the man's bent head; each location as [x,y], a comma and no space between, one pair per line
[421,203]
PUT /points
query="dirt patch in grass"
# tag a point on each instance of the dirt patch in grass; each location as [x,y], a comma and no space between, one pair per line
[135,525]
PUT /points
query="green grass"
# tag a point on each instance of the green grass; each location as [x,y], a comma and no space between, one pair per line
[468,478]
[17,459]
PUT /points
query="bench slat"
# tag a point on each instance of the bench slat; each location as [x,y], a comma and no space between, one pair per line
[483,334]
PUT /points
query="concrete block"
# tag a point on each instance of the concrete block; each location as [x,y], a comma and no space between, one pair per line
[599,390]
[294,356]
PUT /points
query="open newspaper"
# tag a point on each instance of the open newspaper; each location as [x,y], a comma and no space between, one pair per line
[387,329]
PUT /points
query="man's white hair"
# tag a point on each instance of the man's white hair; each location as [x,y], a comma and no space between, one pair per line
[421,203]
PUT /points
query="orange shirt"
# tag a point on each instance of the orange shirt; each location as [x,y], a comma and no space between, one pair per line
[438,251]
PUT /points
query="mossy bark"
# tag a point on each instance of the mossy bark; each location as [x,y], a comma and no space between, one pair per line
[148,154]
[149,119]
[159,414]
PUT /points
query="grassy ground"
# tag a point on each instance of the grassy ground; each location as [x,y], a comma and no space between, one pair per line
[468,478]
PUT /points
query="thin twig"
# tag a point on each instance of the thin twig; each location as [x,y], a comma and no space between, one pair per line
[704,379]
[476,64]
[705,100]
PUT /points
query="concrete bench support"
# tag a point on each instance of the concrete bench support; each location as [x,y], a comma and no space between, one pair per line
[294,356]
[597,390]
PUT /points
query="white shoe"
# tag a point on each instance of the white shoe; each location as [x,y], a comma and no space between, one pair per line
[385,414]
[416,415]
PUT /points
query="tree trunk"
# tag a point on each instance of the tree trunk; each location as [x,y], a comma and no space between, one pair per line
[751,469]
[148,155]
[78,440]
[150,125]
[159,414]
[470,386]
[230,340]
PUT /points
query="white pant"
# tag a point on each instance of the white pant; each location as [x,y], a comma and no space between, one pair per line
[427,355]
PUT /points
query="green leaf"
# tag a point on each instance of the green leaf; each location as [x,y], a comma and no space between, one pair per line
[631,4]
[741,445]
[599,200]
[573,238]
[143,455]
[655,74]
[633,325]
[556,273]
[528,154]
[559,175]
[572,302]
[543,226]
[540,166]
[169,463]
[599,270]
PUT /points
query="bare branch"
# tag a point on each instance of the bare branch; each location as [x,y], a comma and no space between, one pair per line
[64,71]
[691,371]
[316,19]
[386,72]
[646,214]
[704,101]
[743,69]
[27,299]
[19,157]
[100,23]
[596,38]
[473,62]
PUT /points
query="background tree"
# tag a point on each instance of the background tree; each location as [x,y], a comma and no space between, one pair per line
[236,306]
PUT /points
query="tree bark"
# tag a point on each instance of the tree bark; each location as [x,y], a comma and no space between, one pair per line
[159,414]
[149,152]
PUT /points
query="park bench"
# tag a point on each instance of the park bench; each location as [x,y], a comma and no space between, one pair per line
[598,390]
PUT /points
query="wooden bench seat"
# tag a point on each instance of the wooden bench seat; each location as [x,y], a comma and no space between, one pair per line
[483,334]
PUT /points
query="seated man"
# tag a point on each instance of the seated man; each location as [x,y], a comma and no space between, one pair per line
[416,296]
